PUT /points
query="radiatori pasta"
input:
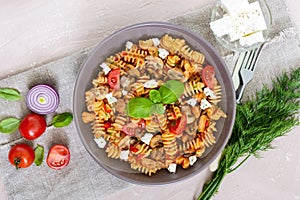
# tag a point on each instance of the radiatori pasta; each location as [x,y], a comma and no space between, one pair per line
[178,136]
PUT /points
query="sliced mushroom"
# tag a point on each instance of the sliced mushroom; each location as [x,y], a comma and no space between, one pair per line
[120,106]
[189,115]
[155,141]
[176,74]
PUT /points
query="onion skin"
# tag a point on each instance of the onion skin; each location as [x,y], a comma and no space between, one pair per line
[42,99]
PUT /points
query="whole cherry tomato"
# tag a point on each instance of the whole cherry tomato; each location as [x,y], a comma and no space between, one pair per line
[179,126]
[32,126]
[208,75]
[58,157]
[114,79]
[21,156]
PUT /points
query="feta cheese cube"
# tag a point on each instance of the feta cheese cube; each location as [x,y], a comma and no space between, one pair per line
[124,155]
[192,101]
[128,45]
[209,92]
[105,68]
[222,26]
[192,160]
[147,138]
[155,41]
[110,98]
[252,39]
[124,92]
[172,168]
[150,84]
[232,6]
[100,142]
[162,53]
[204,104]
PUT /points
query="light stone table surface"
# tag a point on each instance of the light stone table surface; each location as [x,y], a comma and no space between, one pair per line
[34,32]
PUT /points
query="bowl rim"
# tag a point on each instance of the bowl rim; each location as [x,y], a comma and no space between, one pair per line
[182,30]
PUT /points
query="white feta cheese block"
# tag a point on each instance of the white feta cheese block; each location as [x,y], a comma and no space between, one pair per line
[204,104]
[232,6]
[222,26]
[209,92]
[147,138]
[155,41]
[124,155]
[192,101]
[100,142]
[150,84]
[110,98]
[252,39]
[172,168]
[192,160]
[248,20]
[105,68]
[162,53]
[128,45]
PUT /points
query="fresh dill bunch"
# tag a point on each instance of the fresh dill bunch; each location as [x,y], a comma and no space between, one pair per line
[270,114]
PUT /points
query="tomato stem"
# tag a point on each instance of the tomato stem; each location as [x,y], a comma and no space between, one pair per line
[17,161]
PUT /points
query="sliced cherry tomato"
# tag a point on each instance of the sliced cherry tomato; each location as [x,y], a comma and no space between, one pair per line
[21,156]
[179,126]
[133,149]
[142,123]
[58,157]
[114,79]
[107,125]
[32,126]
[208,74]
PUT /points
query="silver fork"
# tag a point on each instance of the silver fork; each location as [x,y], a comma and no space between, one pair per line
[247,68]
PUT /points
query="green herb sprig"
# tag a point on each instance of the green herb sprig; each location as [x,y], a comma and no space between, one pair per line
[271,114]
[168,93]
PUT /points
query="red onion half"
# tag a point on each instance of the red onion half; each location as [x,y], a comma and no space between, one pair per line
[42,99]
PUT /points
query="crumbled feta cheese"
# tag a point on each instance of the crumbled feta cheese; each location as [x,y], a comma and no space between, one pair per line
[209,92]
[192,160]
[100,142]
[105,68]
[150,84]
[146,138]
[172,168]
[252,39]
[204,104]
[128,45]
[155,41]
[124,155]
[162,53]
[124,92]
[192,101]
[110,98]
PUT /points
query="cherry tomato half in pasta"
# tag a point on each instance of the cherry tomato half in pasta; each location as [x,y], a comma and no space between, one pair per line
[114,79]
[21,156]
[179,126]
[32,126]
[208,75]
[58,157]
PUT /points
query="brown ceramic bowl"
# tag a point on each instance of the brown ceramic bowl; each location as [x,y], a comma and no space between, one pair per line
[115,43]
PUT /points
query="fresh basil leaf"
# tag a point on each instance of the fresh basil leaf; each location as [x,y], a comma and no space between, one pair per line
[171,91]
[10,94]
[154,96]
[61,120]
[139,107]
[158,109]
[39,155]
[9,125]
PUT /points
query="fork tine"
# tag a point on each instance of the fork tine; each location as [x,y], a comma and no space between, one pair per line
[251,57]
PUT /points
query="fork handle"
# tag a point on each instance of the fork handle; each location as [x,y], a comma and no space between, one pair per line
[239,93]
